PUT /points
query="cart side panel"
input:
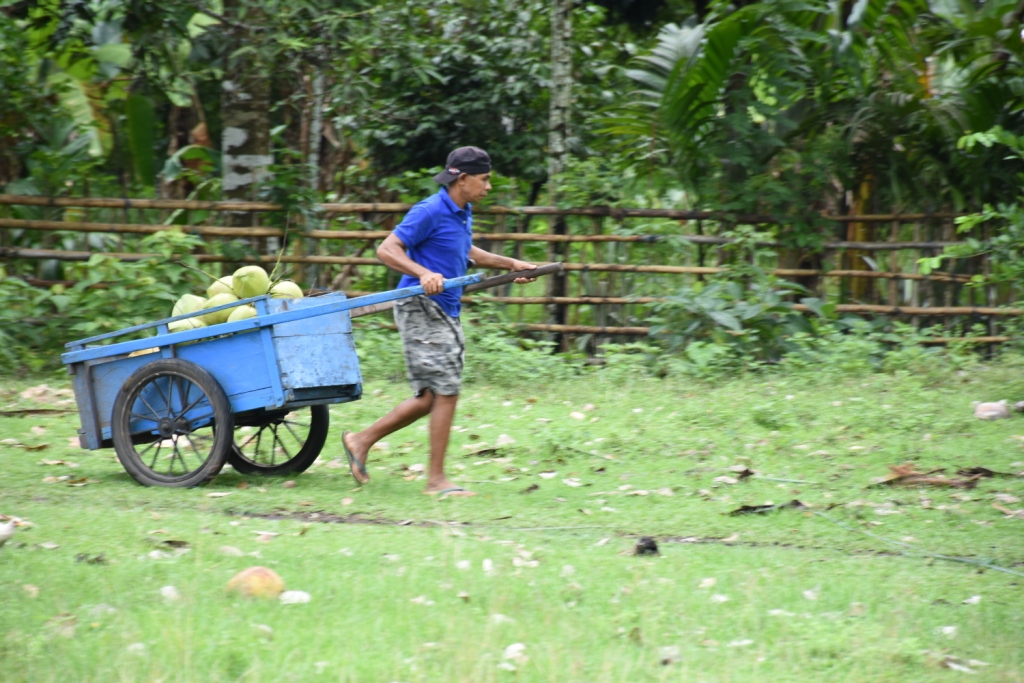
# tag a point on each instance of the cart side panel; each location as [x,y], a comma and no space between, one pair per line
[239,365]
[237,362]
[107,377]
[315,352]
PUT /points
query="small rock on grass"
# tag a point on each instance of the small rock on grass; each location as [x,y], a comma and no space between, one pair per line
[294,597]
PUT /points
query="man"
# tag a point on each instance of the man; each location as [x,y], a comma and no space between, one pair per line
[433,243]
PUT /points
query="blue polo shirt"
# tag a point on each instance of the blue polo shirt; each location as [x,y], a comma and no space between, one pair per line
[437,234]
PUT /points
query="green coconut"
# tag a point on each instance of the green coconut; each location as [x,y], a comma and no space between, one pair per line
[221,286]
[186,324]
[241,313]
[219,316]
[250,281]
[286,289]
[190,303]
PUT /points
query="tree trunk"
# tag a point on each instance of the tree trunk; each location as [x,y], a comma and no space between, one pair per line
[245,115]
[558,132]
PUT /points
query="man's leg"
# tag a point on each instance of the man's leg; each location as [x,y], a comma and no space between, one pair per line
[402,415]
[441,417]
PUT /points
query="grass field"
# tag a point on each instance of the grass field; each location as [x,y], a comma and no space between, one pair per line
[534,579]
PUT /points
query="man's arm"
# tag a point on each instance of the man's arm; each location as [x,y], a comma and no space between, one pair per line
[486,259]
[392,253]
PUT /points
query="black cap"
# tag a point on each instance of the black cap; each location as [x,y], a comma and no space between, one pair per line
[472,160]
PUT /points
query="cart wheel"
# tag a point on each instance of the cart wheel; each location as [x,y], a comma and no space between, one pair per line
[289,441]
[172,424]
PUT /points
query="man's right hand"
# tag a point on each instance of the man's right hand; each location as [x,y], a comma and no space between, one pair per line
[432,283]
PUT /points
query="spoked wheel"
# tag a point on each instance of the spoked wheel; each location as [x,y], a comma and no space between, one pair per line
[172,424]
[283,442]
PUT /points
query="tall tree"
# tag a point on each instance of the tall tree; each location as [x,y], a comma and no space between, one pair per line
[558,132]
[244,109]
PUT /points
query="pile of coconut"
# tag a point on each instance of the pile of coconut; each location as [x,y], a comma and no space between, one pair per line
[246,282]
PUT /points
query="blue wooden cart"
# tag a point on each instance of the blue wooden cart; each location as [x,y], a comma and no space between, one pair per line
[177,406]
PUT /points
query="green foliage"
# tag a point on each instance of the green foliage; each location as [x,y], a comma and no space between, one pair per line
[783,107]
[997,231]
[726,318]
[108,295]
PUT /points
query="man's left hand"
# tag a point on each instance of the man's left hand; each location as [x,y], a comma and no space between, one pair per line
[522,265]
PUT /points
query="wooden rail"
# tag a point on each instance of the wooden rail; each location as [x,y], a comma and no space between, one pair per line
[61,255]
[394,207]
[942,289]
[215,231]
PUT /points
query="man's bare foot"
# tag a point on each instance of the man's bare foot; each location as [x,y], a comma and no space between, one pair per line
[446,489]
[356,459]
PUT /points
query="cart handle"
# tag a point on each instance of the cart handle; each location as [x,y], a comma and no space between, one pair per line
[80,353]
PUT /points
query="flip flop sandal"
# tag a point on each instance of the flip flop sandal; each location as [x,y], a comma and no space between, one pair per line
[446,493]
[352,460]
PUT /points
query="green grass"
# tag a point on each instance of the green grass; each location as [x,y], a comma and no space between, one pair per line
[385,597]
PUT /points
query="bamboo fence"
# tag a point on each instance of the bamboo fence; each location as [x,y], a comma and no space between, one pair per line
[610,291]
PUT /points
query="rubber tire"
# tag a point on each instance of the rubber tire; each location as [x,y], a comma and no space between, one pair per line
[222,416]
[320,418]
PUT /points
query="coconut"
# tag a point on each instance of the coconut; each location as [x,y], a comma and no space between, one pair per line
[286,289]
[213,302]
[221,286]
[186,324]
[250,281]
[190,303]
[257,582]
[241,313]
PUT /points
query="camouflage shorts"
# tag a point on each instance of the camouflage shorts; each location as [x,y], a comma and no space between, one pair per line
[435,348]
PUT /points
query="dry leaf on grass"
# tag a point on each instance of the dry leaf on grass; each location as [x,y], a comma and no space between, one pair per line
[907,475]
[32,591]
[44,461]
[63,625]
[982,472]
[1010,514]
[762,509]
